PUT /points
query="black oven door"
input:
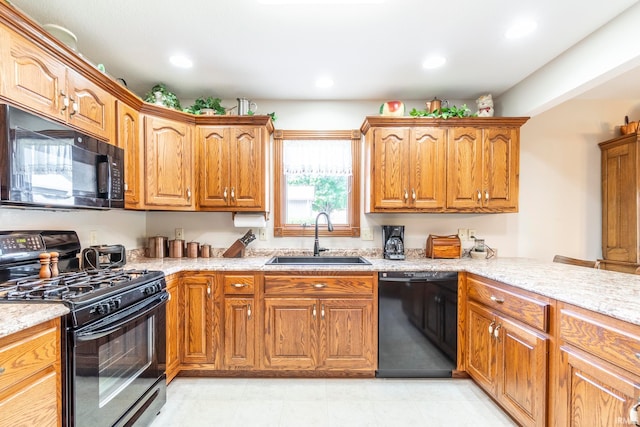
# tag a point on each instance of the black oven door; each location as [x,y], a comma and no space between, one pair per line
[117,366]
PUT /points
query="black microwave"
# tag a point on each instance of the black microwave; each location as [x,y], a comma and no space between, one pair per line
[47,164]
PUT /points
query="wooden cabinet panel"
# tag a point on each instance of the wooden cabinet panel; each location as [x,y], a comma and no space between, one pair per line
[92,108]
[390,167]
[239,332]
[427,159]
[214,153]
[619,199]
[501,168]
[481,351]
[239,284]
[593,393]
[168,167]
[173,336]
[318,285]
[247,168]
[30,382]
[128,138]
[346,334]
[464,168]
[200,321]
[30,77]
[290,336]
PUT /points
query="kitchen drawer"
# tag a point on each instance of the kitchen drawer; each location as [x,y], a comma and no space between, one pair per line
[318,285]
[238,284]
[610,339]
[533,312]
[27,352]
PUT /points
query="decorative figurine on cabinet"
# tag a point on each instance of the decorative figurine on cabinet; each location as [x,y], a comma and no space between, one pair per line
[485,106]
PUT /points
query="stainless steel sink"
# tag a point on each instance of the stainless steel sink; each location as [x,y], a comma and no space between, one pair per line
[317,260]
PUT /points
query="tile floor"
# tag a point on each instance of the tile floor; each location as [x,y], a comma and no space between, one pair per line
[299,402]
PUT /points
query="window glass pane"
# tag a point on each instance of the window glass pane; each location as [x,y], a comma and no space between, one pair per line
[317,175]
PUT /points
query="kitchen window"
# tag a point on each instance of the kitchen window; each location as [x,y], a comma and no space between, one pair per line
[316,171]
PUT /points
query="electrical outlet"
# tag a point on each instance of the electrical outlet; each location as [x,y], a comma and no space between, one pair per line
[93,238]
[262,234]
[366,233]
[463,233]
[179,233]
[472,233]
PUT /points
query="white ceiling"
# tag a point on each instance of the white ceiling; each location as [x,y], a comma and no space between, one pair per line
[372,52]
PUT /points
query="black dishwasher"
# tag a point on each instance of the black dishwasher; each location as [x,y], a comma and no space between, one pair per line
[417,324]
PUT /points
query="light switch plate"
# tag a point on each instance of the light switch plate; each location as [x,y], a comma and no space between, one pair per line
[179,233]
[93,238]
[463,233]
[366,233]
[262,234]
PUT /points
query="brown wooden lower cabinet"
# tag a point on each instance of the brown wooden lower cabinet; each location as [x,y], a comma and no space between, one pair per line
[172,332]
[599,376]
[507,358]
[30,380]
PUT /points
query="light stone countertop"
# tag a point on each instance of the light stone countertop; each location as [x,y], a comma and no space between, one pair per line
[607,292]
[19,316]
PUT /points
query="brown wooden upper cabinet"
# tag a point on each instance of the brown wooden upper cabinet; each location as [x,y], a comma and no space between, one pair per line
[34,79]
[233,169]
[436,165]
[168,164]
[128,138]
[620,205]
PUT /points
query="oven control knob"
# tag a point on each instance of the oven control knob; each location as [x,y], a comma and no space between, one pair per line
[103,308]
[148,290]
[117,302]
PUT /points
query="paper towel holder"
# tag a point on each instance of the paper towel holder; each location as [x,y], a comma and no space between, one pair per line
[266,214]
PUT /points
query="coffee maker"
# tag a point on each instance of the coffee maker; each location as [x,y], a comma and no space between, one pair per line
[393,241]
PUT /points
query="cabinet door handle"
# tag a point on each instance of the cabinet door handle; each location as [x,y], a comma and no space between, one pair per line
[486,195]
[406,194]
[233,193]
[479,196]
[319,285]
[208,291]
[496,332]
[498,300]
[249,311]
[633,413]
[65,101]
[224,193]
[322,311]
[239,285]
[188,194]
[74,106]
[413,193]
[314,311]
[1,370]
[491,325]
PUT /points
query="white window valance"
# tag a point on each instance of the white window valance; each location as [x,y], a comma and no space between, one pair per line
[317,157]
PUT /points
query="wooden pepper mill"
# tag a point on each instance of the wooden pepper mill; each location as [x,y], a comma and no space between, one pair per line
[45,260]
[54,264]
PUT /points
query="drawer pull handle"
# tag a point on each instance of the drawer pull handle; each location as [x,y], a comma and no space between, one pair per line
[1,370]
[633,413]
[637,355]
[239,285]
[319,285]
[491,325]
[499,300]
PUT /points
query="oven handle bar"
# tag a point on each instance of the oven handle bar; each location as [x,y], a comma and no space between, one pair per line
[98,330]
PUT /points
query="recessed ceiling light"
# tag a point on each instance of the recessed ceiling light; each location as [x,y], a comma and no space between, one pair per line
[434,62]
[324,82]
[521,29]
[321,1]
[181,61]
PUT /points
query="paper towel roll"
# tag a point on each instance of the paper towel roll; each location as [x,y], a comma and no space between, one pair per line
[249,220]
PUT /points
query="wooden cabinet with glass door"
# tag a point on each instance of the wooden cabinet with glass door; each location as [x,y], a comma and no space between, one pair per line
[169,171]
[232,159]
[36,80]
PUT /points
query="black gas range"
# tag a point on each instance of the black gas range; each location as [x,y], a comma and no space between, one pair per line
[114,345]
